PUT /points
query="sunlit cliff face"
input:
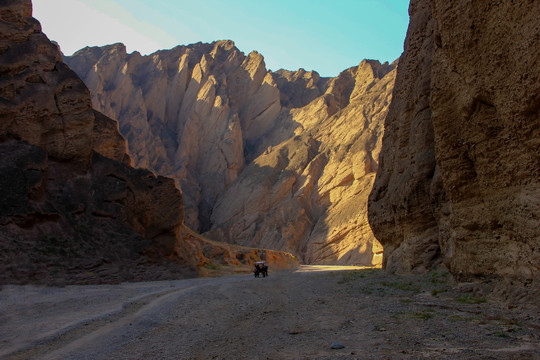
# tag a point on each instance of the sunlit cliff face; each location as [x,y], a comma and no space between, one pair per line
[280,160]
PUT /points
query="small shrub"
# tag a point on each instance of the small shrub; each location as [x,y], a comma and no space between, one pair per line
[351,276]
[456,318]
[469,299]
[403,286]
[420,315]
[211,266]
[436,277]
[510,322]
[436,292]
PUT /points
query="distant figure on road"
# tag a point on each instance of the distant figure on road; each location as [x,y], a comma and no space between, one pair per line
[258,269]
[261,268]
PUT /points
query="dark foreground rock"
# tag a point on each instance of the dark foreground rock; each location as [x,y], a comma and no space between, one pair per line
[72,210]
[459,175]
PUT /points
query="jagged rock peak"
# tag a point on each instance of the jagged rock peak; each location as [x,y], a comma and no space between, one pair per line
[216,82]
[299,88]
[281,199]
[225,115]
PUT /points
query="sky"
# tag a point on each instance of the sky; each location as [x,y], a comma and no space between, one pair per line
[321,35]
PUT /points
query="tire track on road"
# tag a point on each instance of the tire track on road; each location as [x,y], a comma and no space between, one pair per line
[88,329]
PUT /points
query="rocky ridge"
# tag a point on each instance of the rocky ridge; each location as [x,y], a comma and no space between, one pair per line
[458,181]
[309,193]
[217,101]
[72,210]
[280,160]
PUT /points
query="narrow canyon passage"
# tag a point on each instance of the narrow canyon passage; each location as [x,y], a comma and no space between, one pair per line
[289,315]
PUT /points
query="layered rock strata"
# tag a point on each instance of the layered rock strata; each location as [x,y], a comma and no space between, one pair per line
[282,160]
[71,208]
[459,175]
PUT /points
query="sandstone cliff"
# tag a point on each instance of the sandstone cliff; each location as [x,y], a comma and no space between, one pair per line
[459,172]
[67,212]
[71,208]
[187,112]
[281,160]
[308,194]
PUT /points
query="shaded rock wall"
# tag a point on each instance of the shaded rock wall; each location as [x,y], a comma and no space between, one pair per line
[407,196]
[43,102]
[255,152]
[69,214]
[465,117]
[107,139]
[103,225]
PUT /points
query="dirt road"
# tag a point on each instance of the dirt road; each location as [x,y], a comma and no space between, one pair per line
[289,315]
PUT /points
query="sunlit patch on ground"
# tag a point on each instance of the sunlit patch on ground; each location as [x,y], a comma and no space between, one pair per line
[325,268]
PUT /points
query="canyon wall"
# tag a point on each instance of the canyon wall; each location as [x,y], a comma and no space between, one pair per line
[282,160]
[72,210]
[68,211]
[459,170]
[308,194]
[187,112]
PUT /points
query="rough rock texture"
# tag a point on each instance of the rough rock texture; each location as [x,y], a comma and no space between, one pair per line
[68,214]
[308,195]
[407,195]
[187,112]
[299,88]
[280,160]
[42,100]
[107,224]
[107,139]
[460,169]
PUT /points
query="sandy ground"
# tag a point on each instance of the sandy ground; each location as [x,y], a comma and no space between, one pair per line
[289,315]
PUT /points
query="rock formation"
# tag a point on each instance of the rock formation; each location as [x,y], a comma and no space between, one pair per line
[71,208]
[459,174]
[281,160]
[187,112]
[308,194]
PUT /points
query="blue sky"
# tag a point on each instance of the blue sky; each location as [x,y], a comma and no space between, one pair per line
[326,36]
